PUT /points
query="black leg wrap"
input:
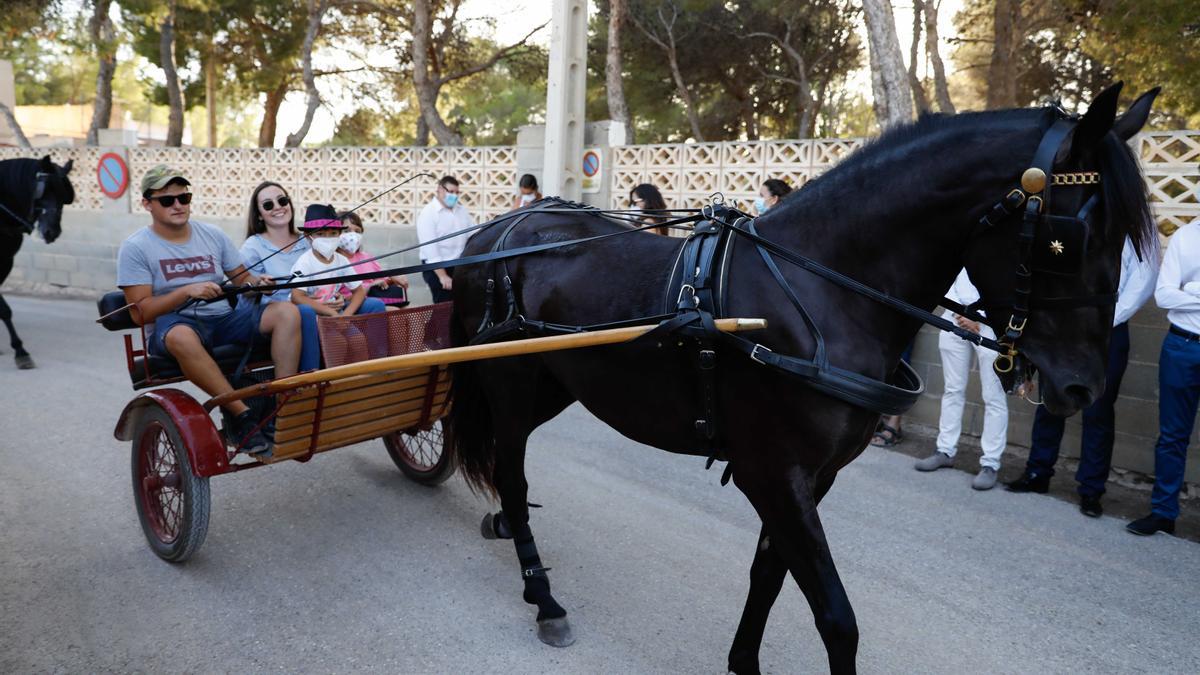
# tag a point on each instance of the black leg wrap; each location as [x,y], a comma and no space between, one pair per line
[533,573]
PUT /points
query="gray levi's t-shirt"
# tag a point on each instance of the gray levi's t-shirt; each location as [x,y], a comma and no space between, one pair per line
[147,259]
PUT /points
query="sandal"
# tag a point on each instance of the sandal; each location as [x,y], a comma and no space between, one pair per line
[886,436]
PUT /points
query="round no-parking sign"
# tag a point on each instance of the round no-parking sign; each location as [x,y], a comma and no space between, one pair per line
[113,175]
[593,169]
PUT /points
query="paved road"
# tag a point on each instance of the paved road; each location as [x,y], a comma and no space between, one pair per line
[341,564]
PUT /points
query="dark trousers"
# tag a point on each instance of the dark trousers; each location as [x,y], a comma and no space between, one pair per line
[435,286]
[1178,395]
[1099,423]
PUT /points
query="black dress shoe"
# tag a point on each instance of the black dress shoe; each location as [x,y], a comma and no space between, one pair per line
[1090,506]
[1151,524]
[1030,482]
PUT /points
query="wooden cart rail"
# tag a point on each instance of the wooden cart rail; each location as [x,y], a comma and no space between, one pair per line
[400,366]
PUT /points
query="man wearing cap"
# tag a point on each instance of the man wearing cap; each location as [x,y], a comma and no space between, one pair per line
[176,260]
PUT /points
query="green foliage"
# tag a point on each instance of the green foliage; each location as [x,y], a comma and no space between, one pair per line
[1070,50]
[736,73]
[1151,44]
[490,107]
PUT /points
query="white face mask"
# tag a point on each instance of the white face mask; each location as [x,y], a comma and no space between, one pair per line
[326,246]
[526,199]
[351,241]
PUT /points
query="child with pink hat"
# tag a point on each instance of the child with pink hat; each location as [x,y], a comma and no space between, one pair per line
[322,261]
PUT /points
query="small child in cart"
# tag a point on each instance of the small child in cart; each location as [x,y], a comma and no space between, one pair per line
[393,291]
[322,261]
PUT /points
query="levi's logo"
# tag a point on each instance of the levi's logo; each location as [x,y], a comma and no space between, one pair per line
[174,268]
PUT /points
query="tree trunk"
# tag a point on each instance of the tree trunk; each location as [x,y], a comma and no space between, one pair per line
[166,52]
[101,28]
[689,103]
[316,11]
[425,84]
[933,51]
[266,130]
[888,62]
[914,52]
[9,117]
[618,110]
[422,138]
[210,91]
[1002,76]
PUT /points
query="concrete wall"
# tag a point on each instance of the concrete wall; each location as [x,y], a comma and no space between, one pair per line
[1137,405]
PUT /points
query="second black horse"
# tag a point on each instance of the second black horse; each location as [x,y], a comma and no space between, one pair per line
[32,195]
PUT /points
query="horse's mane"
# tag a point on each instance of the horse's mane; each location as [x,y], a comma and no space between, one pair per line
[17,177]
[1126,208]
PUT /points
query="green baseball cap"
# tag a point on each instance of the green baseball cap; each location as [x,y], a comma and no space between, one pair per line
[160,176]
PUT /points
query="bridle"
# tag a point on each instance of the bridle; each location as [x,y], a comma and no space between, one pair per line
[1045,243]
[36,205]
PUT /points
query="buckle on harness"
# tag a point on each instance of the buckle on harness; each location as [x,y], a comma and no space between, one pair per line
[682,289]
[754,354]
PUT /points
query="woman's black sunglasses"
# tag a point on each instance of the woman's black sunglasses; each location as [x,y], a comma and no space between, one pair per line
[270,205]
[168,201]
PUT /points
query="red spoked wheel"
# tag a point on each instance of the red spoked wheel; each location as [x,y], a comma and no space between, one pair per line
[172,502]
[423,454]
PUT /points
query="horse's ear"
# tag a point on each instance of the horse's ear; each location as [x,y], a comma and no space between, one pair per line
[1097,121]
[46,163]
[67,167]
[1134,119]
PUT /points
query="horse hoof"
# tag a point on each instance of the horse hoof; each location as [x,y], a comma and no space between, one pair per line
[556,632]
[488,528]
[25,362]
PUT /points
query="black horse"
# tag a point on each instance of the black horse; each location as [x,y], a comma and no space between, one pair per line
[900,215]
[32,194]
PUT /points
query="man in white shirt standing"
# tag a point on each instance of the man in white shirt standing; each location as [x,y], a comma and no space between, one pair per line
[956,367]
[1178,292]
[443,215]
[1099,419]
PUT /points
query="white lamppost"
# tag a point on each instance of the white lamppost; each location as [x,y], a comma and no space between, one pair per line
[565,99]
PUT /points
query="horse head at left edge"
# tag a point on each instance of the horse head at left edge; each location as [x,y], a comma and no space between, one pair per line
[52,191]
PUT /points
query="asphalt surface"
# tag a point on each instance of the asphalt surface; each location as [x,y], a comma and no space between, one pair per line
[341,564]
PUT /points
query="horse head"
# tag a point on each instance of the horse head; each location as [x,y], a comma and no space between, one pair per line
[1048,274]
[53,191]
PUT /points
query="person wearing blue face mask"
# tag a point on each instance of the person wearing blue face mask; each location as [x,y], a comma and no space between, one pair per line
[771,192]
[443,215]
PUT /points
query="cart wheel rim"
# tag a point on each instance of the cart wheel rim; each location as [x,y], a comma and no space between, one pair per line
[422,450]
[158,483]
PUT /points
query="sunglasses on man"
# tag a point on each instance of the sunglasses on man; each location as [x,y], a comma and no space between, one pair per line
[269,205]
[168,201]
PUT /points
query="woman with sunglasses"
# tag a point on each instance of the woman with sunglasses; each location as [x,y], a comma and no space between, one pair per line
[271,249]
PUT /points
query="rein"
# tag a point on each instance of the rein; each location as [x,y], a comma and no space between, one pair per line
[695,302]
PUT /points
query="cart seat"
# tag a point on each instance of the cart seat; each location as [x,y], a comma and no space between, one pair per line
[147,370]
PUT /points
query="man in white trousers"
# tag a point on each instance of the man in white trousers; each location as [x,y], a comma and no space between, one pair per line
[956,366]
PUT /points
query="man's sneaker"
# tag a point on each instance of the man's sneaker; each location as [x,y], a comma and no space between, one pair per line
[985,479]
[934,462]
[1089,505]
[1151,524]
[1030,482]
[248,437]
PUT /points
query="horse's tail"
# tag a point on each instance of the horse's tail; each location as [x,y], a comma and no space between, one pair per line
[470,420]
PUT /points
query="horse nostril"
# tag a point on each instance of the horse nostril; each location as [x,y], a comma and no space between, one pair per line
[1080,395]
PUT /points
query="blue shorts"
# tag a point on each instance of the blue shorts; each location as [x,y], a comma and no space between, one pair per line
[239,327]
